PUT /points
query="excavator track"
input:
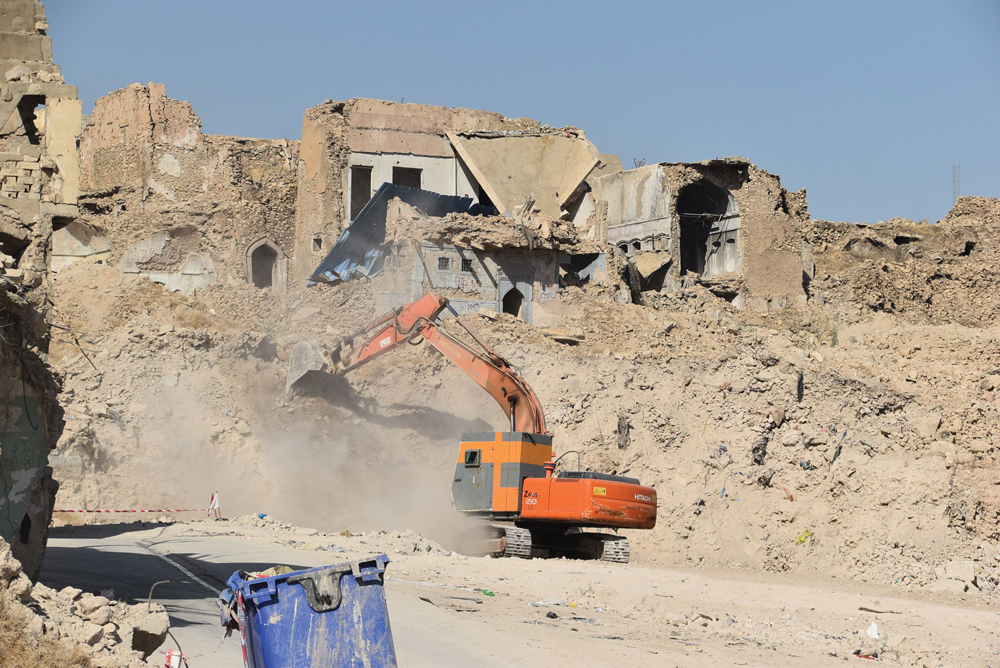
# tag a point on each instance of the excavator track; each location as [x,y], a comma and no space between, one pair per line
[516,541]
[616,549]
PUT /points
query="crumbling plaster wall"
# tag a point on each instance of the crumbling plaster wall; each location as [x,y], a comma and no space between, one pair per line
[30,425]
[480,282]
[179,205]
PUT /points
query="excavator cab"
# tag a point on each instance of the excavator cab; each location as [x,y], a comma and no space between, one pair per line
[491,469]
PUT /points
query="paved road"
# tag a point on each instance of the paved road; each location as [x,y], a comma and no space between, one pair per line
[610,614]
[129,558]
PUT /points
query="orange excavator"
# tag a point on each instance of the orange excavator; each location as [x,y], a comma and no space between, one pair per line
[505,477]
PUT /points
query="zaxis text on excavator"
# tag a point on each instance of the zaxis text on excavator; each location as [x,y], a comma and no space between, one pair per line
[506,477]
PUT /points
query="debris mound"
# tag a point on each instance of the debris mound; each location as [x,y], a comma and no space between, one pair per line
[42,627]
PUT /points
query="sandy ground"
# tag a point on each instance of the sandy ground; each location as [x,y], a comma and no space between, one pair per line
[559,612]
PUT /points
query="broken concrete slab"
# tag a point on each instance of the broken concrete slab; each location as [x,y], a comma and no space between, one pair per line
[548,168]
[648,264]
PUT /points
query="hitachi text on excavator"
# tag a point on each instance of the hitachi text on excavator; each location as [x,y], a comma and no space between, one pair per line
[507,477]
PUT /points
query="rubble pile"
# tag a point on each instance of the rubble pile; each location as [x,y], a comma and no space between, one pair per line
[529,230]
[791,441]
[110,633]
[935,274]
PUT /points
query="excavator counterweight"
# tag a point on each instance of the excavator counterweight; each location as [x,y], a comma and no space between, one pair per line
[506,477]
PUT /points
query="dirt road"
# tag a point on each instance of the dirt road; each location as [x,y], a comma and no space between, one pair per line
[564,612]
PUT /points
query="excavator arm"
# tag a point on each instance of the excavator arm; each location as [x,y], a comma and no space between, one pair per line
[414,323]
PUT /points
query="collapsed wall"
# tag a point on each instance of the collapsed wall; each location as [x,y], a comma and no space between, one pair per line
[925,273]
[510,165]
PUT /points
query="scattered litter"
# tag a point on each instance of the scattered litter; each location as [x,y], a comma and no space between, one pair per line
[758,451]
[551,615]
[880,612]
[872,631]
[803,537]
[546,602]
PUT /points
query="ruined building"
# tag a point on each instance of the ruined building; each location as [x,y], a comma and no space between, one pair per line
[164,200]
[40,121]
[723,223]
[501,174]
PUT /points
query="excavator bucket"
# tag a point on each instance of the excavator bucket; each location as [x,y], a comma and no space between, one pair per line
[306,363]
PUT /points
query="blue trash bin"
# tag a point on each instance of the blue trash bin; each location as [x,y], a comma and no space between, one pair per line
[327,617]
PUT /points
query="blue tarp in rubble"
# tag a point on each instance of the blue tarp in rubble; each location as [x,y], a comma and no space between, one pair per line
[360,250]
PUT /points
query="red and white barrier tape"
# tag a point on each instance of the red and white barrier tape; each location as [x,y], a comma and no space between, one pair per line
[167,510]
[212,505]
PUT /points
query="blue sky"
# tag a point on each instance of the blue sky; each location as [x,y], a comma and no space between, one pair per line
[865,104]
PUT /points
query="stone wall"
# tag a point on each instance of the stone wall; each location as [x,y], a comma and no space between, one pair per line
[40,120]
[185,208]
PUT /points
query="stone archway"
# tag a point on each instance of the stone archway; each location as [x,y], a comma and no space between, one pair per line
[266,265]
[709,222]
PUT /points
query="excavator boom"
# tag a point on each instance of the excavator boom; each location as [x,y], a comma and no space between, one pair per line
[414,323]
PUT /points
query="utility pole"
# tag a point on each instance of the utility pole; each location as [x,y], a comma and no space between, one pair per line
[956,182]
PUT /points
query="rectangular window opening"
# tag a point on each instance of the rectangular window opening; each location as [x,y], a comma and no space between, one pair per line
[406,176]
[467,265]
[317,244]
[444,263]
[361,188]
[473,457]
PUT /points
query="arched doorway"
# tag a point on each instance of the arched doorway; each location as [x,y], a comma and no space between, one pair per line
[514,288]
[709,224]
[512,302]
[262,263]
[265,264]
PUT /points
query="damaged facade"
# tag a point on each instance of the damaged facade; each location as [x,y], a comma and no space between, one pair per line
[163,200]
[40,121]
[723,223]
